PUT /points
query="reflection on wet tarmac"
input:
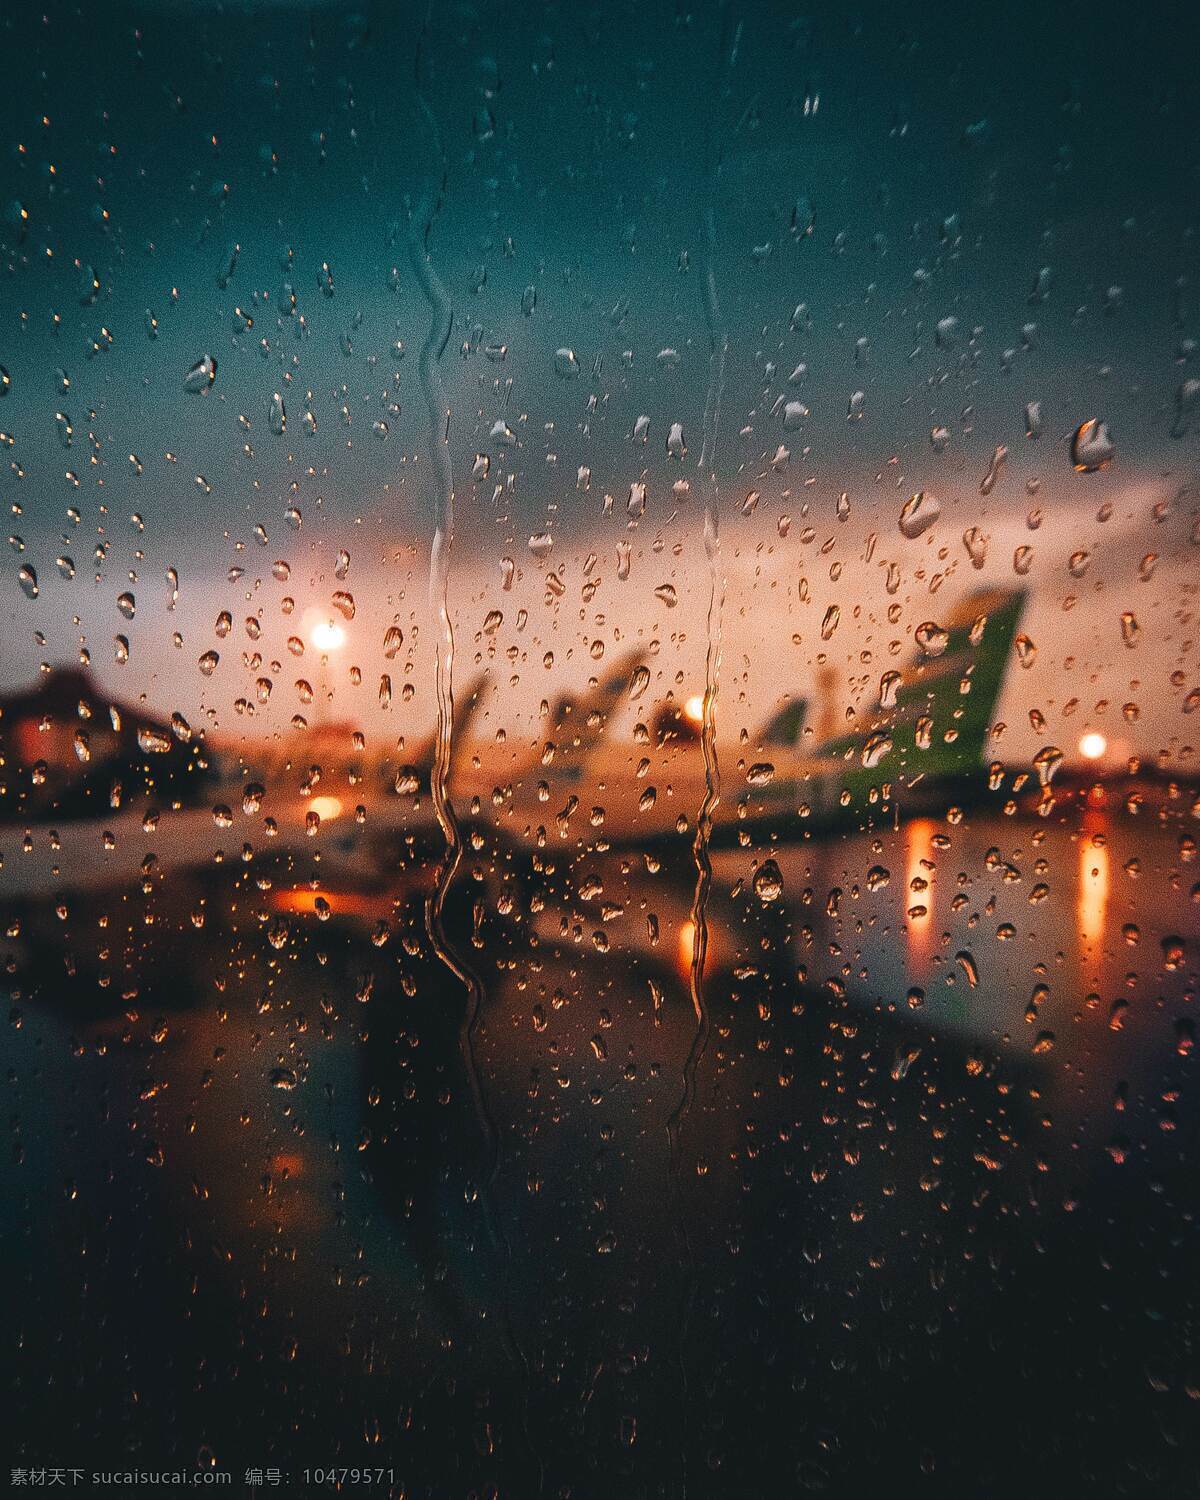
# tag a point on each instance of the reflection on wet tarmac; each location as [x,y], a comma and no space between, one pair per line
[1093,885]
[920,868]
[910,1207]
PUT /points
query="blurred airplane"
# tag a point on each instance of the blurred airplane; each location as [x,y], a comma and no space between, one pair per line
[924,740]
[926,737]
[545,786]
[352,840]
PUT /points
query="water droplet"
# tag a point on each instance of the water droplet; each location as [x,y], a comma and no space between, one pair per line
[904,1061]
[931,638]
[1187,399]
[1092,447]
[768,882]
[1041,286]
[998,460]
[200,377]
[1046,762]
[918,514]
[794,415]
[976,544]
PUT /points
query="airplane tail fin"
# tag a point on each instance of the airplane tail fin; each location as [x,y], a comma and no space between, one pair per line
[938,719]
[466,706]
[784,727]
[580,723]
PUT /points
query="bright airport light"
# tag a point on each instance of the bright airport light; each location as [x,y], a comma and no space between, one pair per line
[1093,745]
[327,635]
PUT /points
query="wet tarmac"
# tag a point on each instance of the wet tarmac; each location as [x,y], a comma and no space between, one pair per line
[924,1221]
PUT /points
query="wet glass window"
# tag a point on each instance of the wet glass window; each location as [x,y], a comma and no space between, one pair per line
[599,781]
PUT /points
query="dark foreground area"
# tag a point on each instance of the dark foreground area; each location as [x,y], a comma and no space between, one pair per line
[272,1211]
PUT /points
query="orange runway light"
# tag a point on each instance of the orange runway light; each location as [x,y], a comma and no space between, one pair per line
[326,808]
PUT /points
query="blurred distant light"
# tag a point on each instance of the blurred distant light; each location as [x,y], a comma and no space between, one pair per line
[327,635]
[326,808]
[694,708]
[687,946]
[1093,745]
